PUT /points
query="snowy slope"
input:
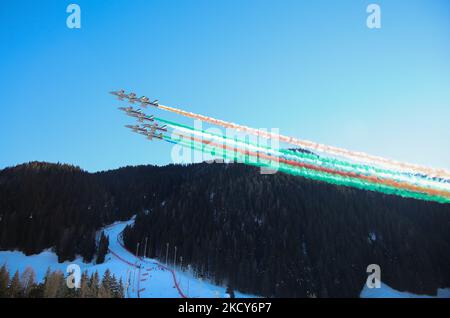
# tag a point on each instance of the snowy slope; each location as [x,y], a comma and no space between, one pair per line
[145,277]
[150,279]
[387,292]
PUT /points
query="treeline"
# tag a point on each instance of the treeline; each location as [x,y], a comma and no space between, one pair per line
[55,285]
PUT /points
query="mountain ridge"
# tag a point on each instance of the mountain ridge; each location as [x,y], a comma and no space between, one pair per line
[273,235]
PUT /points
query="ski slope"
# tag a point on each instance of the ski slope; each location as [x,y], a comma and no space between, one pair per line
[147,278]
[387,292]
[144,278]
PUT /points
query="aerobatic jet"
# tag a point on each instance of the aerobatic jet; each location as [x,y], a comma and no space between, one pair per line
[119,94]
[143,117]
[155,103]
[155,127]
[150,135]
[129,109]
[136,113]
[144,100]
[132,98]
[136,128]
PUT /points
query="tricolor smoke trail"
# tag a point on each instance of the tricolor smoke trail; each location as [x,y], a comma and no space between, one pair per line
[308,171]
[358,156]
[337,166]
[313,159]
[339,174]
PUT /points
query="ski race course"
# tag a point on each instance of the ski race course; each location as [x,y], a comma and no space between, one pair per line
[147,277]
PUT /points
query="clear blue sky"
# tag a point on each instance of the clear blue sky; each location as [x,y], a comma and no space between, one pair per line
[311,68]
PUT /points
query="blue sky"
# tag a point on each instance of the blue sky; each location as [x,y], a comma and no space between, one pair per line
[311,68]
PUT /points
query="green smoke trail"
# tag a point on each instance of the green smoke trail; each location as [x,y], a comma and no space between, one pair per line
[326,162]
[307,173]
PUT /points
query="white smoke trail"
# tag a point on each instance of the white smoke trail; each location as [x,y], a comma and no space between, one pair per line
[411,179]
[352,155]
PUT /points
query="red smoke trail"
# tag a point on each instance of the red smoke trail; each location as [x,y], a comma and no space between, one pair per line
[371,179]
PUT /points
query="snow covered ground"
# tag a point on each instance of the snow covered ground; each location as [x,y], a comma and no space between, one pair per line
[151,280]
[387,292]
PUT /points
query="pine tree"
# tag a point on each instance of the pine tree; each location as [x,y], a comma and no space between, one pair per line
[121,289]
[47,274]
[4,281]
[27,280]
[93,285]
[14,289]
[54,286]
[114,287]
[102,248]
[105,286]
[103,292]
[84,285]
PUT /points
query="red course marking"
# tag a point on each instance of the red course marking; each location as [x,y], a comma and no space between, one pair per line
[180,292]
[120,258]
[173,276]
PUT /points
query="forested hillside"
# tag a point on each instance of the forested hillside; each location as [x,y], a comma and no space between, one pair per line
[52,205]
[272,235]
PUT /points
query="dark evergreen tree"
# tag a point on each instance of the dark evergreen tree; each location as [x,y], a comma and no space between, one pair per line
[102,248]
[230,292]
[14,289]
[4,281]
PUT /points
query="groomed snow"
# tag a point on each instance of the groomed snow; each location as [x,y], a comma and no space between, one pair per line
[154,280]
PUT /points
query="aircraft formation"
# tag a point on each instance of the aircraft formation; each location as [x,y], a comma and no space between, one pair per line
[132,98]
[148,126]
